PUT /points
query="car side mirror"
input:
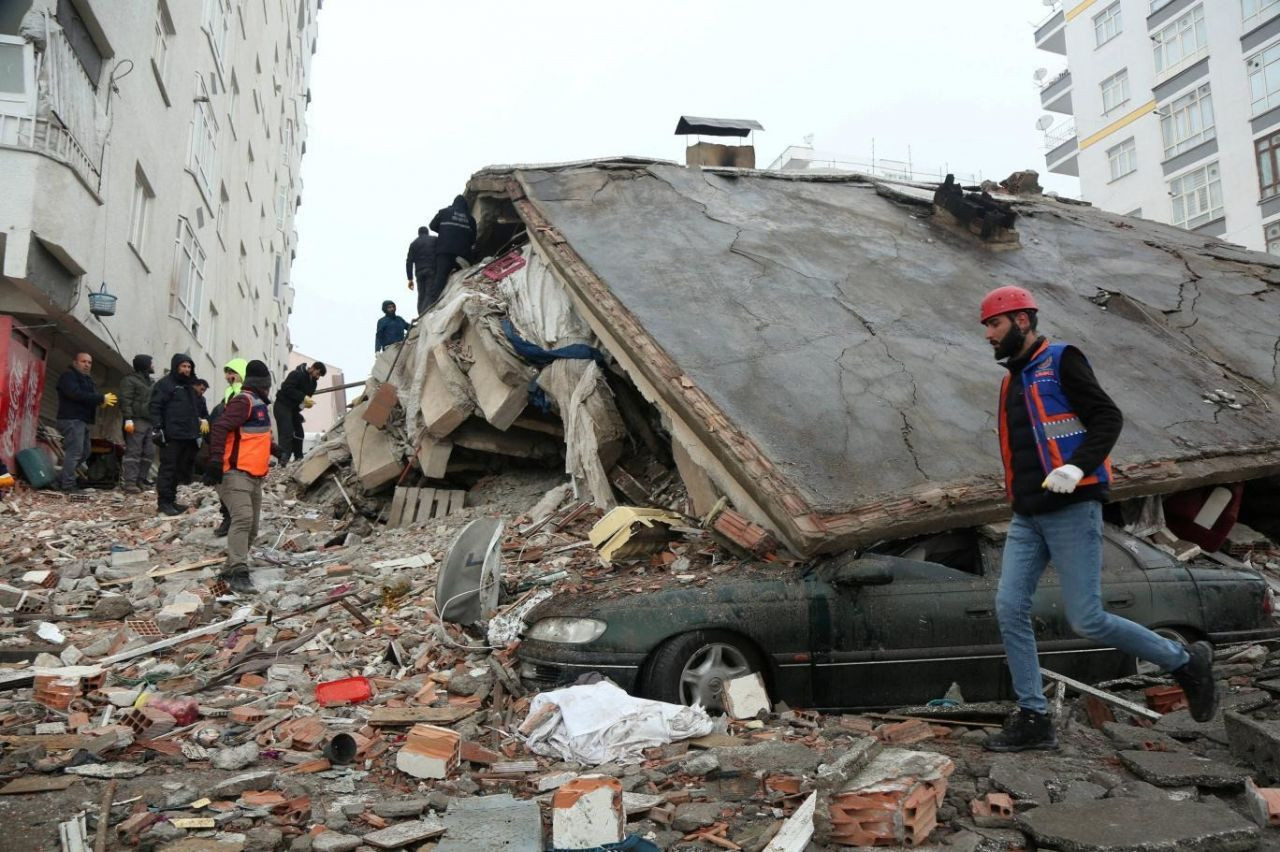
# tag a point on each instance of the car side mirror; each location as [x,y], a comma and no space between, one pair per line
[863,574]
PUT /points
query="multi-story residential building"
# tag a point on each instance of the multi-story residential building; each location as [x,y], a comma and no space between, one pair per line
[1174,111]
[152,146]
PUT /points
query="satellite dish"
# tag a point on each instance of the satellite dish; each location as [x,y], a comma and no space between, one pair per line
[1044,122]
[467,585]
[1040,74]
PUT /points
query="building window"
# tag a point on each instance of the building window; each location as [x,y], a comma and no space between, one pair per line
[233,102]
[1268,165]
[163,34]
[1122,159]
[211,329]
[1180,41]
[217,23]
[1264,79]
[204,139]
[1115,91]
[139,210]
[278,276]
[1187,121]
[1197,197]
[17,76]
[286,137]
[282,203]
[188,277]
[1272,234]
[1106,24]
[1253,12]
[81,40]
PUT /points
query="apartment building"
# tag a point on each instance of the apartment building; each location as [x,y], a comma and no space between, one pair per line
[152,148]
[1173,111]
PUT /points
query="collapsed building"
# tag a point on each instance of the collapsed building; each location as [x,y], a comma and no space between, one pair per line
[805,348]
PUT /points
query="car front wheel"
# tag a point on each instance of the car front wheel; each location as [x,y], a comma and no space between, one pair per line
[693,668]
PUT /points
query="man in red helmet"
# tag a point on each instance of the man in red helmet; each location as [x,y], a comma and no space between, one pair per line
[1057,427]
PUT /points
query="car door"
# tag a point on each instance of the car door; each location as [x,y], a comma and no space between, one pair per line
[904,642]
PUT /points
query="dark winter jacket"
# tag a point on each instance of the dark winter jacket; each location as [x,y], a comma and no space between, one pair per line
[173,404]
[1099,414]
[391,330]
[422,257]
[297,386]
[78,397]
[135,391]
[456,227]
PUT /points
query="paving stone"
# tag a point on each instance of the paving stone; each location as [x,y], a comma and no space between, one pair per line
[401,808]
[694,815]
[1013,777]
[1076,791]
[1180,725]
[1178,769]
[1137,790]
[1133,825]
[498,823]
[1255,741]
[237,784]
[334,841]
[1133,737]
[789,758]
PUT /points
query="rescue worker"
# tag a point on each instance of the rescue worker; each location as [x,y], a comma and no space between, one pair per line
[295,395]
[391,327]
[1057,427]
[175,424]
[233,372]
[78,403]
[241,441]
[135,408]
[457,229]
[421,264]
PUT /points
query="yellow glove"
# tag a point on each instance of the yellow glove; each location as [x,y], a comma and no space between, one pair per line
[6,480]
[308,402]
[128,427]
[204,426]
[108,399]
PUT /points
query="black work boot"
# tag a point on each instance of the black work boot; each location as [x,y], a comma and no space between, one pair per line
[1196,679]
[1024,730]
[223,528]
[238,580]
[169,509]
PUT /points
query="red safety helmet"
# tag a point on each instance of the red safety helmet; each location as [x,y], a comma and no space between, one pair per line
[1002,300]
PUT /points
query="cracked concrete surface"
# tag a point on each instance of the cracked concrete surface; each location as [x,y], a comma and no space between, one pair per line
[838,327]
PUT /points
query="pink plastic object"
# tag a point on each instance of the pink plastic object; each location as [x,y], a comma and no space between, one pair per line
[349,690]
[184,710]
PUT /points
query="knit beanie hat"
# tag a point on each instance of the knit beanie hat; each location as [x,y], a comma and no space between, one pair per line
[257,368]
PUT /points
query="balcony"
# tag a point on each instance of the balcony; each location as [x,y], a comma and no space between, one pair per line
[1062,149]
[48,138]
[1051,34]
[1055,95]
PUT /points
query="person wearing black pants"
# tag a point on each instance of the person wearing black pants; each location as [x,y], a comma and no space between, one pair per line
[175,421]
[457,232]
[420,264]
[295,395]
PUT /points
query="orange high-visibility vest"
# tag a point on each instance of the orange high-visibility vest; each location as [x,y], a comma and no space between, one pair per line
[249,449]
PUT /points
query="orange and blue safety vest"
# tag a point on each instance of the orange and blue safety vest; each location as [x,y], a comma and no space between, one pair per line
[249,449]
[1058,430]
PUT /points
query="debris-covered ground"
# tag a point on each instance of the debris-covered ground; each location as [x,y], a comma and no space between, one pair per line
[318,714]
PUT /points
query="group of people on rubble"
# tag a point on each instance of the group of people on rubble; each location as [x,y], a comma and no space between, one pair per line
[169,420]
[430,261]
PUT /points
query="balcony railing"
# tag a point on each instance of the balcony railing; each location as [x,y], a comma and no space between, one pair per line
[1059,135]
[47,137]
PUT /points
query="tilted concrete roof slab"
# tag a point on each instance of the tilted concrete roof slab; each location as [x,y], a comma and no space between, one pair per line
[819,335]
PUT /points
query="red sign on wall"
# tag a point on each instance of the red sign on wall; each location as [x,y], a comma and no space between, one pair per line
[21,386]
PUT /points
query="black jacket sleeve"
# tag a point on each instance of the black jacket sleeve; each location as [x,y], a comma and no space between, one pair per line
[1096,410]
[291,390]
[160,401]
[69,386]
[435,222]
[408,264]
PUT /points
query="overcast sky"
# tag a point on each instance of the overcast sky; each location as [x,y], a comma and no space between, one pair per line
[409,98]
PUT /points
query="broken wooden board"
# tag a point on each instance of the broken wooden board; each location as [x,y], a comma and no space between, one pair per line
[37,784]
[165,572]
[1103,695]
[384,717]
[412,505]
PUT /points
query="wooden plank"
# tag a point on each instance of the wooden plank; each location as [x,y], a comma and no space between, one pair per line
[457,500]
[392,716]
[427,504]
[1114,700]
[164,572]
[216,627]
[38,784]
[411,499]
[442,504]
[397,506]
[796,832]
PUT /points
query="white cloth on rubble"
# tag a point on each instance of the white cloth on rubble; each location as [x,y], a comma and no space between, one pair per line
[601,723]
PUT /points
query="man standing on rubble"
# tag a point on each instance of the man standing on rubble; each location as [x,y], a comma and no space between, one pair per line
[1057,428]
[233,372]
[391,327]
[421,264]
[240,452]
[78,402]
[135,408]
[175,422]
[295,395]
[457,229]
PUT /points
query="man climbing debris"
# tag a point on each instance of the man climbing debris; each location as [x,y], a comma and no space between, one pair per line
[240,450]
[1057,428]
[295,395]
[420,264]
[457,229]
[175,423]
[135,408]
[391,327]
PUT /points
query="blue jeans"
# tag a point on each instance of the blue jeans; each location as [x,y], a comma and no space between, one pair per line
[1072,538]
[75,450]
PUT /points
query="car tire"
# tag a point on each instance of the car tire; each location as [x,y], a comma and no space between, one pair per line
[1183,635]
[693,667]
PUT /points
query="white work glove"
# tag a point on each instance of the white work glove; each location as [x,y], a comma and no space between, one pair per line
[1063,480]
